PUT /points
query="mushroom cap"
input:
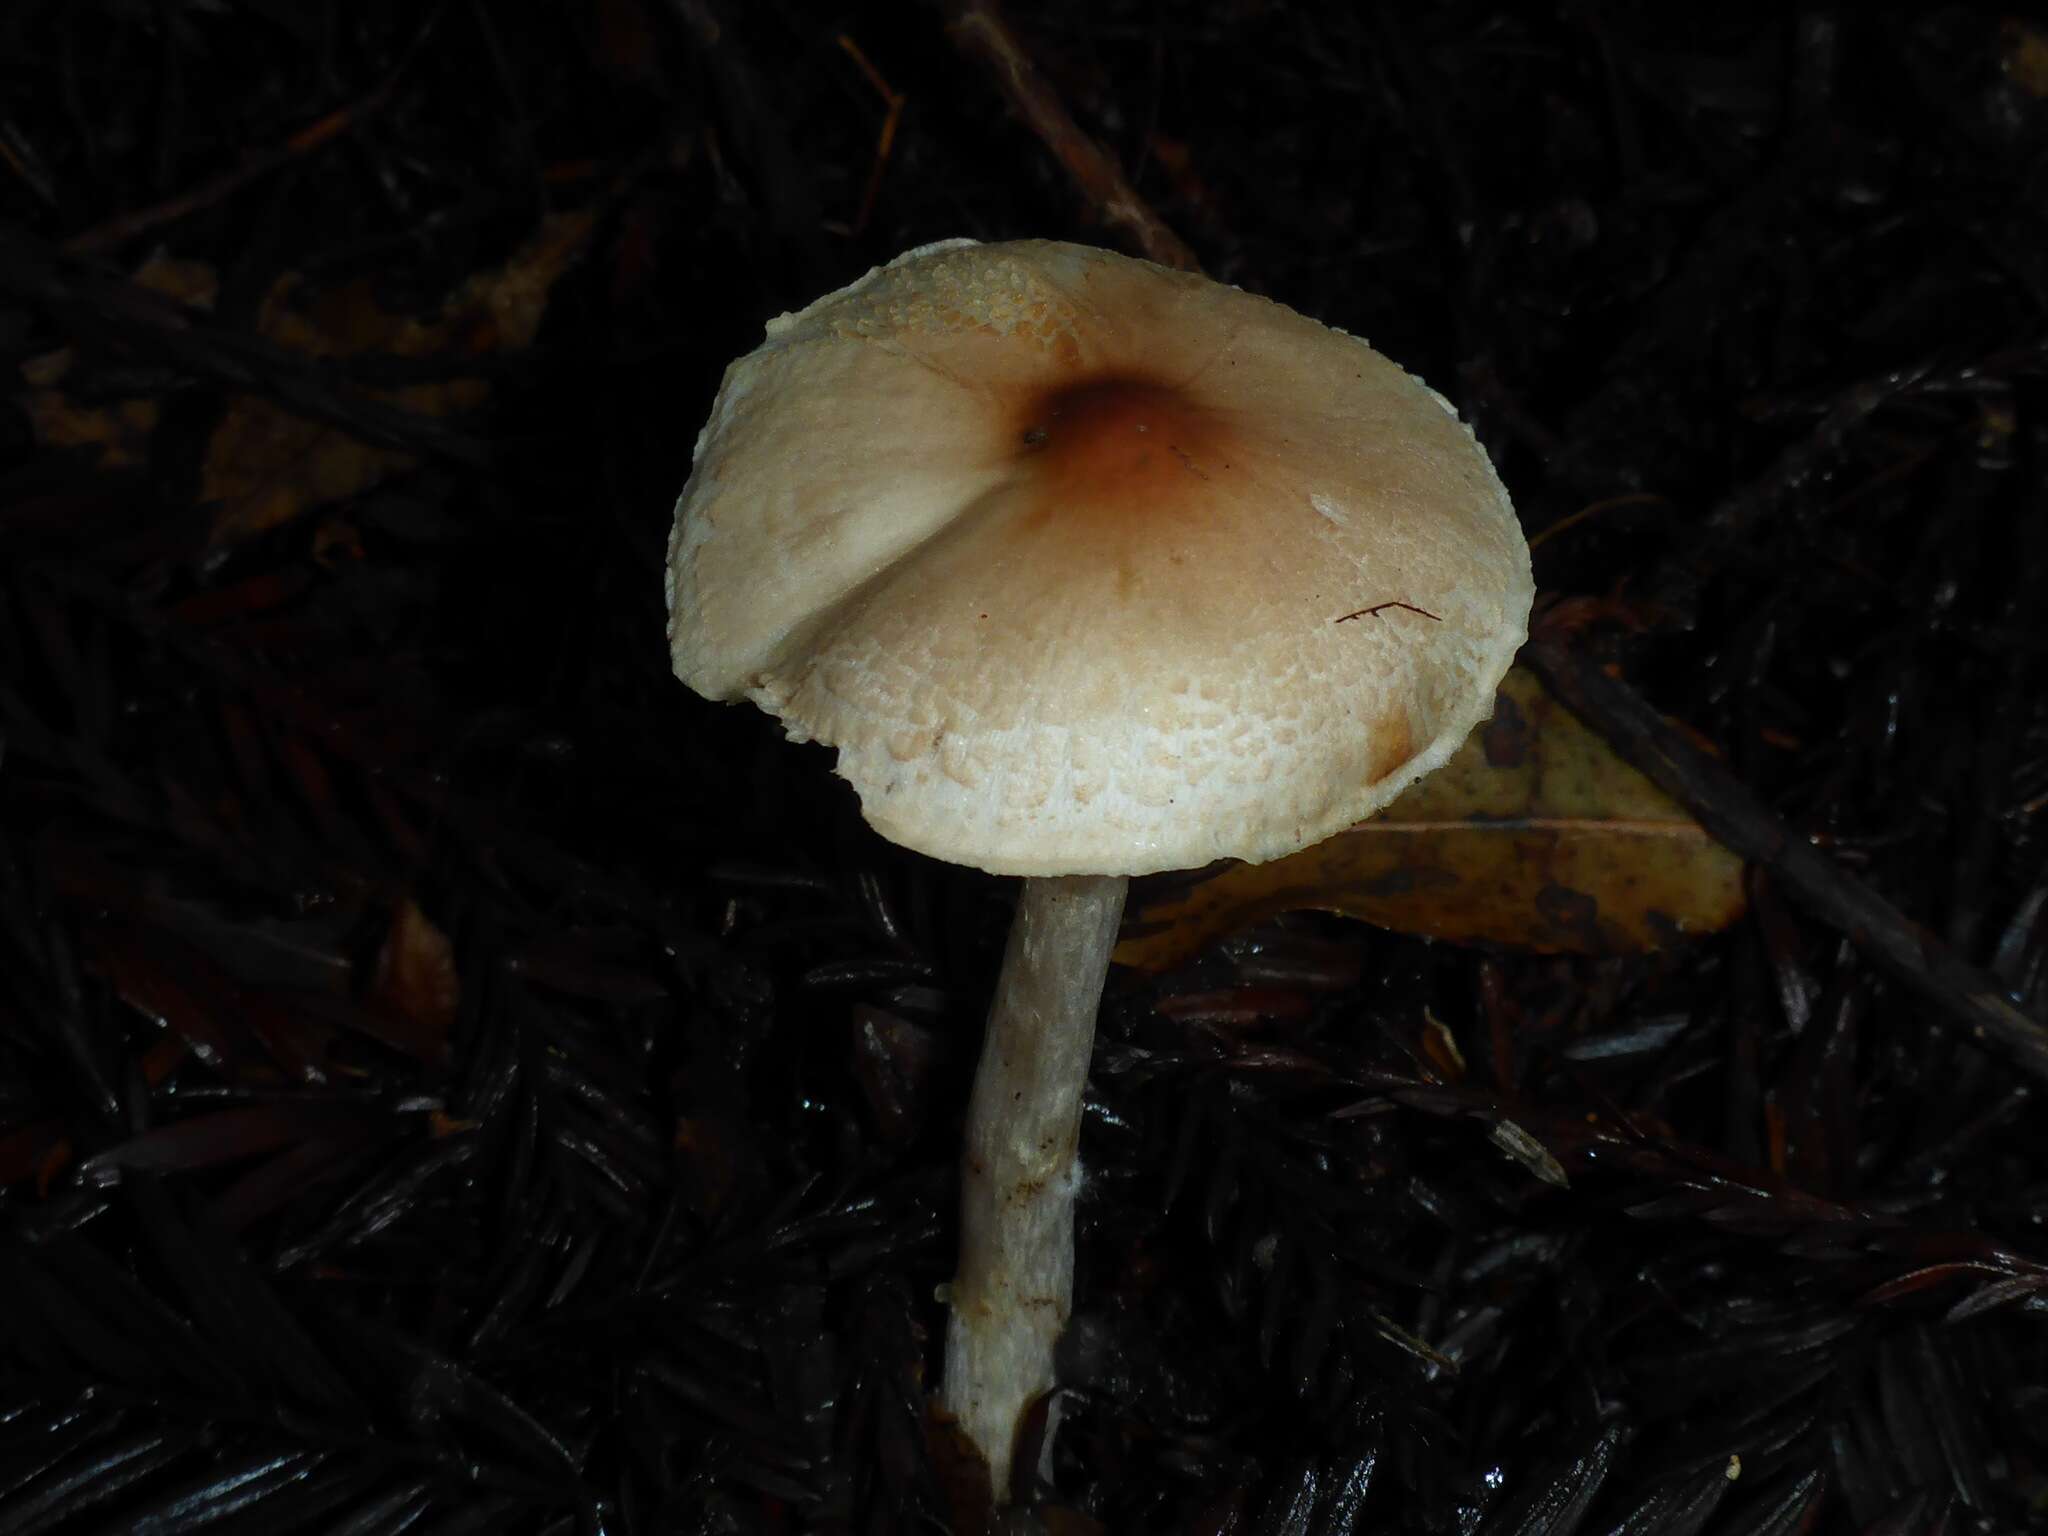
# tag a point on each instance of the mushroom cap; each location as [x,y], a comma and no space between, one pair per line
[1066,554]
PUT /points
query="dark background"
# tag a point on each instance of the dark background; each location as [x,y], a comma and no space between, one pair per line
[451,1079]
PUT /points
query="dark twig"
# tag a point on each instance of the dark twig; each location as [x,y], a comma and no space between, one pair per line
[323,131]
[1738,819]
[2005,718]
[981,31]
[316,135]
[755,129]
[1734,517]
[885,140]
[155,329]
[1721,535]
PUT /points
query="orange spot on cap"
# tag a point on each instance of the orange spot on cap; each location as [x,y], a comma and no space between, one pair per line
[1116,447]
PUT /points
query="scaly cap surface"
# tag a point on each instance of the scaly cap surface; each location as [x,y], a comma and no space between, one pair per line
[1058,547]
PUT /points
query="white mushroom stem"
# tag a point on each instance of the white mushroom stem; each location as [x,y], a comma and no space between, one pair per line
[1019,1172]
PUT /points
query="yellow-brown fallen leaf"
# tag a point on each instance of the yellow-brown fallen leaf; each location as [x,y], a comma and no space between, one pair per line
[416,977]
[1533,835]
[120,430]
[2025,55]
[265,465]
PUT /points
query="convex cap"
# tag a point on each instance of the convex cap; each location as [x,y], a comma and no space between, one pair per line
[1067,554]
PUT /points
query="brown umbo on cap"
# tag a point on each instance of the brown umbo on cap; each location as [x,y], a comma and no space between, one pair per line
[1068,555]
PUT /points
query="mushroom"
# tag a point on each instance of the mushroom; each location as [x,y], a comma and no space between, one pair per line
[1089,569]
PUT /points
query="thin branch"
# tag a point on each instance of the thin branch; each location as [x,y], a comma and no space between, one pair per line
[892,102]
[981,31]
[755,129]
[129,319]
[1967,998]
[118,231]
[323,131]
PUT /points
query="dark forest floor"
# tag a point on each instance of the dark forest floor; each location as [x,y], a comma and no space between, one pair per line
[453,1079]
